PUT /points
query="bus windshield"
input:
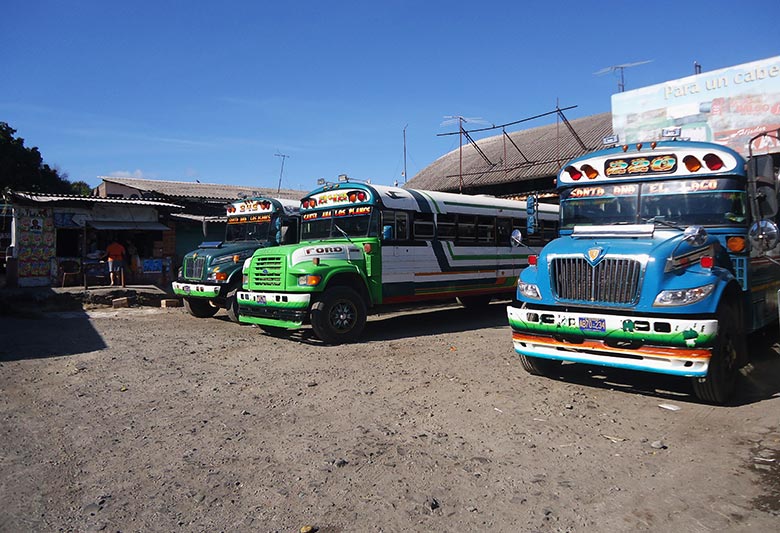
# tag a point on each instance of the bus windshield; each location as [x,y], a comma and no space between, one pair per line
[706,202]
[253,228]
[321,225]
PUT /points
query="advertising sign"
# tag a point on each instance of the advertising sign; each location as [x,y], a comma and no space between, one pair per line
[727,106]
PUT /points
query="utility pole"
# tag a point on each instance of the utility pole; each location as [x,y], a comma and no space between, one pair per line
[405,153]
[283,156]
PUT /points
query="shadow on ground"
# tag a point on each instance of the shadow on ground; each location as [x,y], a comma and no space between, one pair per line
[418,322]
[51,336]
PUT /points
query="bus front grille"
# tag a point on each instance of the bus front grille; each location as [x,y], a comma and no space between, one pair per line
[193,267]
[611,280]
[267,271]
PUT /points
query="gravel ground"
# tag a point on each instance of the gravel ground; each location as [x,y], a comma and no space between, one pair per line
[148,419]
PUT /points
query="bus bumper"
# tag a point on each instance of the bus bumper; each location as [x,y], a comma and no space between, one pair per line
[281,310]
[657,344]
[196,290]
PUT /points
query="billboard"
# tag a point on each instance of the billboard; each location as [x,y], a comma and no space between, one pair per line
[727,106]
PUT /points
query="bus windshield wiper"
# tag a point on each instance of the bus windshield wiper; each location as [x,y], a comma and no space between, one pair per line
[662,221]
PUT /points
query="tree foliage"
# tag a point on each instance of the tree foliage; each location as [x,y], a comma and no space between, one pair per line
[23,169]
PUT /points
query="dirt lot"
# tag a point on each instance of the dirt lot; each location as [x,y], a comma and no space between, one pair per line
[151,420]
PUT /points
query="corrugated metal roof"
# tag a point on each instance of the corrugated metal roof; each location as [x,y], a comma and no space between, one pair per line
[212,191]
[198,218]
[52,198]
[544,150]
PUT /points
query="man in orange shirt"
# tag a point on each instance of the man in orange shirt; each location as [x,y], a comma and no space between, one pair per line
[116,256]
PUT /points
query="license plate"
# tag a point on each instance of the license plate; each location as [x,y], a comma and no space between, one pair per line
[593,324]
[186,288]
[261,299]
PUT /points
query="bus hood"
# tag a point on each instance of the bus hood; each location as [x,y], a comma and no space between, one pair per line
[666,262]
[656,244]
[221,249]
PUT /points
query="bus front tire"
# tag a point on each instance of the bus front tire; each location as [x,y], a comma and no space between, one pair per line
[199,307]
[339,316]
[719,384]
[539,366]
[231,306]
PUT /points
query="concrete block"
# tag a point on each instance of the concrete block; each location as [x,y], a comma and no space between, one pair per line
[120,302]
[170,302]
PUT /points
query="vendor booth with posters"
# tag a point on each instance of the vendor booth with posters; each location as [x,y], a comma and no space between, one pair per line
[62,240]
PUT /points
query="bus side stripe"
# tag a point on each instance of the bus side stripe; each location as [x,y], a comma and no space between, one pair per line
[422,203]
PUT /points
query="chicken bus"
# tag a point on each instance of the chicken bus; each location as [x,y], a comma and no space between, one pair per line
[667,257]
[211,275]
[364,247]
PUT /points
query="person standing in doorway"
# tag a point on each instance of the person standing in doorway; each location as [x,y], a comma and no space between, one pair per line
[116,257]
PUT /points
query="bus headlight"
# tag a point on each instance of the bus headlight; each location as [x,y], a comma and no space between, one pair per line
[683,296]
[529,290]
[309,280]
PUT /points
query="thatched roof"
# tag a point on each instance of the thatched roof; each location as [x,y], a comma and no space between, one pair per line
[526,155]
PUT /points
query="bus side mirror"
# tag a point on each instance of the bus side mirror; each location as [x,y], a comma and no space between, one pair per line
[516,238]
[764,235]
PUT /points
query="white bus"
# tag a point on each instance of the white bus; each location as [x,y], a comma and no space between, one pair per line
[366,246]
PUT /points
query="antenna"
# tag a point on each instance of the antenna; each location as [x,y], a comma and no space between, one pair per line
[452,119]
[696,67]
[283,156]
[621,68]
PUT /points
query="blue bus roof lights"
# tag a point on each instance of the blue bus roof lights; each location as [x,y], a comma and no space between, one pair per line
[663,159]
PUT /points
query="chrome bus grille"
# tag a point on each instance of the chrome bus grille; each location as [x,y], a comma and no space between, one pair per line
[193,268]
[612,280]
[267,271]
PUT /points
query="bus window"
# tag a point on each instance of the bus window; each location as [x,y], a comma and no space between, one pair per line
[395,226]
[466,228]
[503,230]
[423,226]
[445,227]
[486,230]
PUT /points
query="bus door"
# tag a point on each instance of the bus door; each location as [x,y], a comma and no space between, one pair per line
[399,261]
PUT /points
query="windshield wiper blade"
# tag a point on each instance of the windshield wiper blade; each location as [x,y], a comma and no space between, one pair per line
[662,221]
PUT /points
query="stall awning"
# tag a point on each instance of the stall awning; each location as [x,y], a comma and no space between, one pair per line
[127,225]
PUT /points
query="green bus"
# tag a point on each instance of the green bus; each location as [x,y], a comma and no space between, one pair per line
[364,247]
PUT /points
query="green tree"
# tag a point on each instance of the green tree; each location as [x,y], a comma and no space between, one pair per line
[23,169]
[81,188]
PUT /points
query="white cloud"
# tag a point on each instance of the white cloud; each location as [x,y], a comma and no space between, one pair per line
[138,174]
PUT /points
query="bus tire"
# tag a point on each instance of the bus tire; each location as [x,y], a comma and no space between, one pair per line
[339,316]
[539,366]
[719,384]
[199,307]
[475,302]
[231,305]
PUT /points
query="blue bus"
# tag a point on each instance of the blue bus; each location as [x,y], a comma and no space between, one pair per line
[667,258]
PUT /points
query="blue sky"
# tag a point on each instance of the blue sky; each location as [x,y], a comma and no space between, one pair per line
[187,90]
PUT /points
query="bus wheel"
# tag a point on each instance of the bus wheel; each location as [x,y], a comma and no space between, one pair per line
[199,307]
[231,306]
[471,302]
[721,379]
[539,366]
[339,316]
